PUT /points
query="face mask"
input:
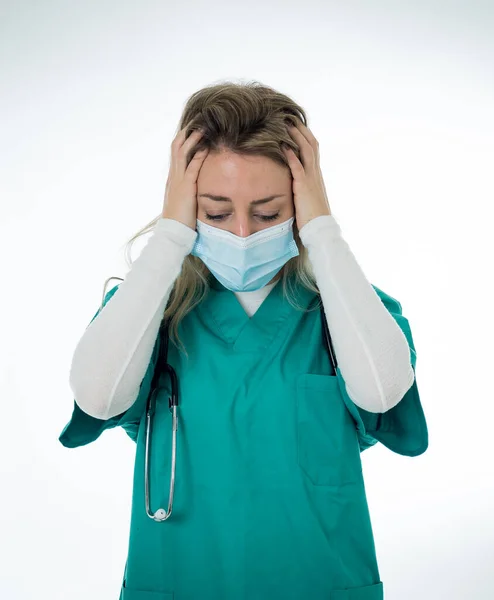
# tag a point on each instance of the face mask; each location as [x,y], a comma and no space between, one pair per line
[245,264]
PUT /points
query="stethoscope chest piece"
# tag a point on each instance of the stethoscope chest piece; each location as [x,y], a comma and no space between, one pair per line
[160,515]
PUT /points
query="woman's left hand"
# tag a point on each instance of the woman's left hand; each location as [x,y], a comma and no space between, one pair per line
[309,192]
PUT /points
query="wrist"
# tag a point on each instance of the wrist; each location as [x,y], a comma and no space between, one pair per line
[303,220]
[185,220]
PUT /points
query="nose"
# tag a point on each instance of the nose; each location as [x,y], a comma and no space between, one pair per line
[242,226]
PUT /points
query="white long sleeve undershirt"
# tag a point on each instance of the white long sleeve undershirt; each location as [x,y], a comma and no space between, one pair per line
[372,350]
[112,356]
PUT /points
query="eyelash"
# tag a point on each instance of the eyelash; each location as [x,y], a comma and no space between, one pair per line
[262,217]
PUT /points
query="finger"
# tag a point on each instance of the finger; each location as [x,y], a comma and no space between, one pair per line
[308,134]
[296,166]
[196,163]
[181,136]
[182,153]
[305,149]
[305,136]
[192,139]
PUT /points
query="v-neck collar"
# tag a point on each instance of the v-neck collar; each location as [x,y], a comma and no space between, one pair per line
[224,313]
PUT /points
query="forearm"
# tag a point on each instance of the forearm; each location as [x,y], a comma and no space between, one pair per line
[372,351]
[112,356]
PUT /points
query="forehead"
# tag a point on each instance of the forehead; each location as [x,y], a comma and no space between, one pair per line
[226,171]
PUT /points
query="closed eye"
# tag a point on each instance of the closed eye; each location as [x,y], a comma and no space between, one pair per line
[224,216]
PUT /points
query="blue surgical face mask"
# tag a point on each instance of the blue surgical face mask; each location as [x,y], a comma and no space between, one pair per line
[245,264]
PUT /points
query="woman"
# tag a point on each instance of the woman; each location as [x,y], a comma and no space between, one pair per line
[269,500]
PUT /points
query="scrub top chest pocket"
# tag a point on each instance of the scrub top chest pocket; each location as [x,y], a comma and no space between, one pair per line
[327,444]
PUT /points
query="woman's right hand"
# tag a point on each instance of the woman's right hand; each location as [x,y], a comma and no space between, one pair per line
[180,201]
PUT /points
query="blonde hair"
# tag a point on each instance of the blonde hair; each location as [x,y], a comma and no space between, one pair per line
[249,119]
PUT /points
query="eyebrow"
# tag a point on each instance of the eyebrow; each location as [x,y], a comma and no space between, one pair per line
[227,199]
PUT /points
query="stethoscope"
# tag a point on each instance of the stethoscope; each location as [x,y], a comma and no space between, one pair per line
[162,366]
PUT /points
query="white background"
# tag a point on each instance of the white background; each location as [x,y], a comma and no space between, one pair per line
[400,96]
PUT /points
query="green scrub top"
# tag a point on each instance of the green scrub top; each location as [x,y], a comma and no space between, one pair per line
[269,496]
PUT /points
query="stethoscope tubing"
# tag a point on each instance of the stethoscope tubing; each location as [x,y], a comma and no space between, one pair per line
[162,366]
